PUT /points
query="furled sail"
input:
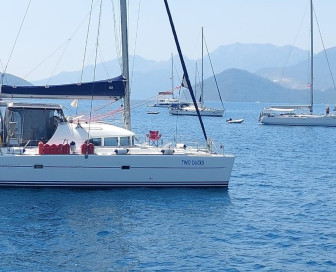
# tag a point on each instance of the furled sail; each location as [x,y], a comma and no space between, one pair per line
[113,88]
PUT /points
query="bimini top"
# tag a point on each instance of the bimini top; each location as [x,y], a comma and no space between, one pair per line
[113,88]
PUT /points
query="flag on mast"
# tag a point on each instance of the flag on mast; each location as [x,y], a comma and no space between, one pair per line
[184,82]
[74,103]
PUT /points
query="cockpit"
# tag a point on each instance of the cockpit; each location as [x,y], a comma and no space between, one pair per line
[27,124]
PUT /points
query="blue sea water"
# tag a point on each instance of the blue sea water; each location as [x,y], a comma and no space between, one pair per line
[278,214]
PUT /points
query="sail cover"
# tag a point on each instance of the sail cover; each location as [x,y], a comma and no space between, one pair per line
[112,88]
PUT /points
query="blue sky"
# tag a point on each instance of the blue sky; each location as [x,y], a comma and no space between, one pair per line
[49,25]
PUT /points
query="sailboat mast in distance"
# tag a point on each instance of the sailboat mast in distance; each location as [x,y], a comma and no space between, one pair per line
[172,74]
[202,100]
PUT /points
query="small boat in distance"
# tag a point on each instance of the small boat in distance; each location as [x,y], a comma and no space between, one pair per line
[166,99]
[235,121]
[153,112]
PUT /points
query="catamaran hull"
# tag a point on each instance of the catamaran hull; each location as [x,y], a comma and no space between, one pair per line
[115,170]
[300,120]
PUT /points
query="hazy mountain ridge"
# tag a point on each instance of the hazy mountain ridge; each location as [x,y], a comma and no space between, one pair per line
[239,85]
[253,57]
[234,64]
[9,79]
[298,75]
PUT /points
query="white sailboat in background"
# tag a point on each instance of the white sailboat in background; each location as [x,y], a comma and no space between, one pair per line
[182,109]
[297,115]
[167,99]
[42,147]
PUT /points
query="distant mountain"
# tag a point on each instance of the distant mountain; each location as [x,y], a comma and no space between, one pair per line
[106,70]
[14,80]
[250,57]
[253,57]
[239,85]
[148,77]
[297,76]
[236,63]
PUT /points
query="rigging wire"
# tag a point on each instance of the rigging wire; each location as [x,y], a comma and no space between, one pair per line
[86,42]
[294,42]
[74,33]
[117,34]
[213,72]
[95,65]
[16,39]
[59,61]
[196,73]
[1,64]
[103,62]
[1,74]
[99,117]
[48,57]
[85,48]
[324,49]
[198,83]
[135,44]
[179,95]
[98,108]
[180,80]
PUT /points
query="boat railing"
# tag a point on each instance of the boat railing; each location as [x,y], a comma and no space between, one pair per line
[209,146]
[212,147]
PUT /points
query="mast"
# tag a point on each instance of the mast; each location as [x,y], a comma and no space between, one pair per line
[185,69]
[172,74]
[202,70]
[125,72]
[311,58]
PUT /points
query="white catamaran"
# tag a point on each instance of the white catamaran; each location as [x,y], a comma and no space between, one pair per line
[42,147]
[299,115]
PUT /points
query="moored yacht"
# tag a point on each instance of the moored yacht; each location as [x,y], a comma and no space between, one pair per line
[191,109]
[292,115]
[42,147]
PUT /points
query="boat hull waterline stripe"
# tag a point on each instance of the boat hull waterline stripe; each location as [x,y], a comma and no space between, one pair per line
[111,167]
[6,183]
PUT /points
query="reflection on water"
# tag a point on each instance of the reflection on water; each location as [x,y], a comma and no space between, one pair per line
[105,229]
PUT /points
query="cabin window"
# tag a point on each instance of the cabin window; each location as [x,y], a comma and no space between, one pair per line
[96,141]
[111,141]
[124,141]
